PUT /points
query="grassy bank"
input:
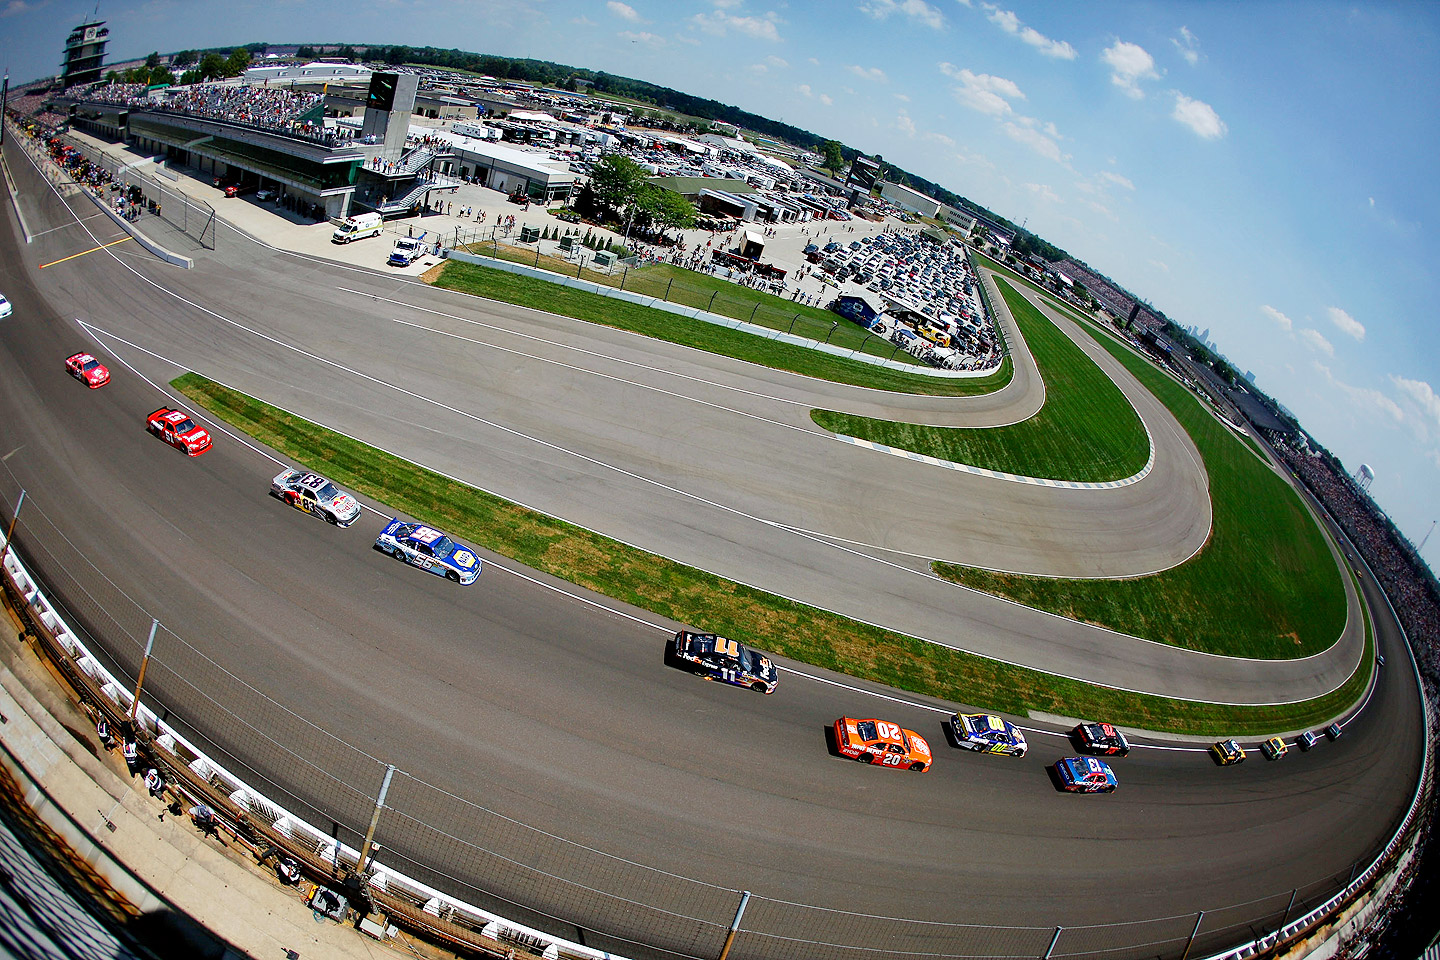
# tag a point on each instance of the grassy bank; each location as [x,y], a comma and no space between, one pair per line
[692,596]
[1265,584]
[1086,431]
[582,305]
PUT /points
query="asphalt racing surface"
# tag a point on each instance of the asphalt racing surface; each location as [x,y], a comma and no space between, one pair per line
[544,705]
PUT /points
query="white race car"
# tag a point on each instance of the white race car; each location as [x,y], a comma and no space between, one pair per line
[317,496]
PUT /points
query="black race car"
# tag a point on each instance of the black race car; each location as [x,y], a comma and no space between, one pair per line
[720,658]
[1100,738]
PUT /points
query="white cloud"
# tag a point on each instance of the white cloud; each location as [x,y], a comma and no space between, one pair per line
[1423,395]
[1200,117]
[1189,46]
[1129,64]
[826,99]
[719,24]
[868,73]
[1042,191]
[1160,265]
[805,90]
[17,6]
[623,10]
[904,124]
[939,138]
[903,97]
[1282,321]
[645,37]
[1117,179]
[1317,341]
[1347,324]
[775,61]
[583,21]
[917,10]
[1373,400]
[982,92]
[814,61]
[1007,20]
[1035,140]
[759,68]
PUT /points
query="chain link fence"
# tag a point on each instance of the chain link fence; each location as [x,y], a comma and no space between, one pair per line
[481,857]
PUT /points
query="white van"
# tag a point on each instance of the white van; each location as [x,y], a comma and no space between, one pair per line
[357,227]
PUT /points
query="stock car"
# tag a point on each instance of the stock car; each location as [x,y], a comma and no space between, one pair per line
[1100,738]
[87,370]
[987,733]
[429,549]
[1085,775]
[1274,748]
[315,495]
[882,742]
[720,658]
[177,429]
[1226,752]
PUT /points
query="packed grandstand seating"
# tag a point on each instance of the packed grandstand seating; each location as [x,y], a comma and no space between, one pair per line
[1411,593]
[268,108]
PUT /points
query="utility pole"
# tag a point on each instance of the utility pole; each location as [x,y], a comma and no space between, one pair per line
[1417,549]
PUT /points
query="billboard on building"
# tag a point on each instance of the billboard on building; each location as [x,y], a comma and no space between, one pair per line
[863,173]
[382,91]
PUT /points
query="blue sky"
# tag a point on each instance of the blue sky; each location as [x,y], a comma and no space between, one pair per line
[1266,170]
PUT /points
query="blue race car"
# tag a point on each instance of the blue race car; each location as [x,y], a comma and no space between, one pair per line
[429,549]
[1085,775]
[720,658]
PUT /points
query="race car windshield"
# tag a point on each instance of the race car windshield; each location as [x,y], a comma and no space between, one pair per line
[750,660]
[90,365]
[867,730]
[443,547]
[185,426]
[327,492]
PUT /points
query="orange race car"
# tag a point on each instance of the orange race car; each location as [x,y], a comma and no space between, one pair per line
[882,742]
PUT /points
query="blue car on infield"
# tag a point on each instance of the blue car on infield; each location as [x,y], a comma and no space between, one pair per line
[429,549]
[1085,775]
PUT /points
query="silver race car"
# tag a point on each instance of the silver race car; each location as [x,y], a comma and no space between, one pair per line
[315,495]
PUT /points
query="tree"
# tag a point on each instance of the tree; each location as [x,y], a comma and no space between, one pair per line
[153,60]
[212,66]
[236,63]
[185,58]
[346,52]
[616,181]
[305,51]
[834,156]
[189,77]
[668,210]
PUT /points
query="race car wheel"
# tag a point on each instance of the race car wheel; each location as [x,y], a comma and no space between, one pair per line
[330,518]
[757,685]
[917,767]
[398,554]
[452,576]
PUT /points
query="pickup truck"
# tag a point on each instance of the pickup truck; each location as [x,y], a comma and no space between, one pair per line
[406,252]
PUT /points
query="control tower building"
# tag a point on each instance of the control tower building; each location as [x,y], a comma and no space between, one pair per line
[84,54]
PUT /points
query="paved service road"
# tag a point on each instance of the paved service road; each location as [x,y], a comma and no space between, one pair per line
[558,712]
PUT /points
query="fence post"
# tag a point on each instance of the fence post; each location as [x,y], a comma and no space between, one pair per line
[753,312]
[1288,907]
[712,301]
[18,504]
[374,821]
[1199,918]
[832,330]
[793,322]
[140,680]
[735,924]
[626,273]
[666,298]
[537,254]
[1053,940]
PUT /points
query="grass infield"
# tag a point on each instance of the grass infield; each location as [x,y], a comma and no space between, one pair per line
[692,596]
[582,305]
[1265,585]
[1086,431]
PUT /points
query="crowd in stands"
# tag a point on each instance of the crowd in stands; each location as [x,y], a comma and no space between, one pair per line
[268,108]
[1405,582]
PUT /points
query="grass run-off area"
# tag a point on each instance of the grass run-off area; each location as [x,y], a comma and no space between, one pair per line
[1265,585]
[692,596]
[1086,431]
[595,308]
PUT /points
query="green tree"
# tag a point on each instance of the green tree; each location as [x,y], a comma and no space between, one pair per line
[347,52]
[212,66]
[153,60]
[616,181]
[834,156]
[304,52]
[185,58]
[666,209]
[189,77]
[236,63]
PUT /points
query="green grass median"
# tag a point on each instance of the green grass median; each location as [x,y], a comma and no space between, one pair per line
[1265,585]
[1086,431]
[582,305]
[692,596]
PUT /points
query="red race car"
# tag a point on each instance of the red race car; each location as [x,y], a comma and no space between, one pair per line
[87,370]
[882,742]
[177,429]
